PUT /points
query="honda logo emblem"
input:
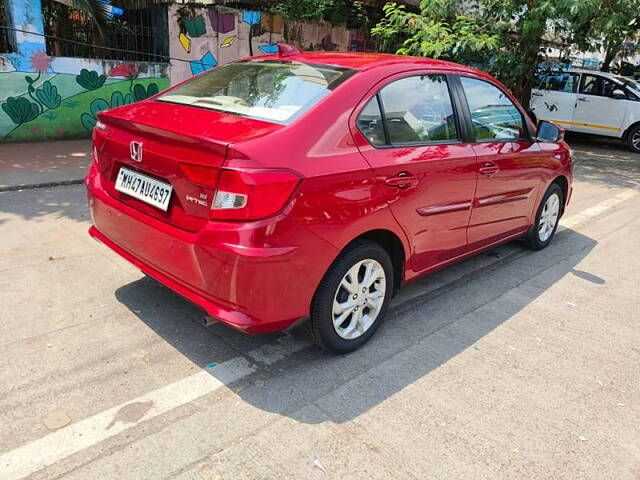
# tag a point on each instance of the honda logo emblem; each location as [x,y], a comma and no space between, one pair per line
[136,151]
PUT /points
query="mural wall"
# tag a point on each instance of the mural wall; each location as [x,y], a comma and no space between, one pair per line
[202,38]
[60,97]
[44,97]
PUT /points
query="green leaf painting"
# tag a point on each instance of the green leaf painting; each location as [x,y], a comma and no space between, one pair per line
[20,110]
[89,119]
[48,95]
[90,80]
[140,92]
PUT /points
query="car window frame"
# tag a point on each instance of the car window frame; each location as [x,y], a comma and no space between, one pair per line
[460,127]
[530,136]
[363,104]
[557,72]
[605,79]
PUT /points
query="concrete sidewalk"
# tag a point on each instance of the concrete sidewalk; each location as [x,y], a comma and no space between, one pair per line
[39,164]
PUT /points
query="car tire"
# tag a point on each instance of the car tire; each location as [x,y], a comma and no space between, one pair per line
[348,305]
[547,219]
[633,139]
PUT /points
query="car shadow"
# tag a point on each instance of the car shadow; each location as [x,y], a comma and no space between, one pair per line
[430,322]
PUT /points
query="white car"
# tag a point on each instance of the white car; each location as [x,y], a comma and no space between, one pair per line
[588,101]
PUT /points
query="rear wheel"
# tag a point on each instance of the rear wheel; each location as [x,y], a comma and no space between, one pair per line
[352,298]
[547,218]
[633,139]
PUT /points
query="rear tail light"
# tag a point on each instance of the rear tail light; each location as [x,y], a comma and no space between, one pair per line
[202,175]
[252,194]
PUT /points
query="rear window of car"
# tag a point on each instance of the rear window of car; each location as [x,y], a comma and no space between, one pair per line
[271,90]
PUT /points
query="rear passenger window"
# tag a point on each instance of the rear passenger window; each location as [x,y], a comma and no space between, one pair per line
[370,123]
[559,82]
[418,110]
[493,115]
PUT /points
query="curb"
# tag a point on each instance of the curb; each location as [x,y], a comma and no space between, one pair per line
[62,183]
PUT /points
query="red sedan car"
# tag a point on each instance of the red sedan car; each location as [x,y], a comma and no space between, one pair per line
[301,186]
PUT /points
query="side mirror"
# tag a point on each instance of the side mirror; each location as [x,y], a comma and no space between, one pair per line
[549,132]
[619,94]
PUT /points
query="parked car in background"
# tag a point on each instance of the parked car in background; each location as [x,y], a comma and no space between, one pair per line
[587,101]
[301,186]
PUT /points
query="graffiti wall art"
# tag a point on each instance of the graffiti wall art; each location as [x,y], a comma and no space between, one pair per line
[40,102]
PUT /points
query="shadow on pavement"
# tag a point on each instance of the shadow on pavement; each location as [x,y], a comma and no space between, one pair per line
[604,161]
[69,202]
[419,334]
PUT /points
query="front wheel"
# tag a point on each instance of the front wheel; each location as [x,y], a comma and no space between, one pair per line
[352,298]
[633,139]
[547,218]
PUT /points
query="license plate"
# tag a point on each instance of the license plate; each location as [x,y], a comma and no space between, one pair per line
[142,187]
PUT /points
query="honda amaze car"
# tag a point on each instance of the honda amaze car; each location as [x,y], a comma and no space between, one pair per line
[312,186]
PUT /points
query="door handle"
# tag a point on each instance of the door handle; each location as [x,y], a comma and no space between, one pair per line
[534,94]
[401,180]
[583,99]
[489,169]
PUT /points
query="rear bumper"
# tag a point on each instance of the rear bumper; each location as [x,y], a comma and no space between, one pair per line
[226,267]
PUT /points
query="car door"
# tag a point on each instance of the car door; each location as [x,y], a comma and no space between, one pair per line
[554,98]
[428,175]
[597,111]
[510,164]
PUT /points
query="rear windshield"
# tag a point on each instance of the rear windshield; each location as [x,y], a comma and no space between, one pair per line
[275,91]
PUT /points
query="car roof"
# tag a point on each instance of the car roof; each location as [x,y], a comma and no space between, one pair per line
[366,61]
[586,70]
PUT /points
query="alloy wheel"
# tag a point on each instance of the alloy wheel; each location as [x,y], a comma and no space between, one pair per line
[549,217]
[635,140]
[359,299]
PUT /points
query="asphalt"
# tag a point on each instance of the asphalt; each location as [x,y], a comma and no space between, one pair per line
[513,364]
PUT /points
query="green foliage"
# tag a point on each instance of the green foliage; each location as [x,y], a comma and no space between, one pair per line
[505,37]
[90,80]
[625,69]
[48,95]
[89,119]
[20,109]
[605,25]
[350,13]
[435,32]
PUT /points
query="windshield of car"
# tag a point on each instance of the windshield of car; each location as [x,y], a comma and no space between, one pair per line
[271,90]
[629,83]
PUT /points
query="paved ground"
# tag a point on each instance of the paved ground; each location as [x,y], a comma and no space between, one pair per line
[23,165]
[511,365]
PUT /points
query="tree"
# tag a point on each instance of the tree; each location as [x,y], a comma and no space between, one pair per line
[504,37]
[437,31]
[100,11]
[96,10]
[606,25]
[350,13]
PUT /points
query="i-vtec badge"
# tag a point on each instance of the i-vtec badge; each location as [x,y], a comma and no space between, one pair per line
[199,201]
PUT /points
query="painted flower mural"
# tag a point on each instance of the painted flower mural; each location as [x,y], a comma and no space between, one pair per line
[129,70]
[41,62]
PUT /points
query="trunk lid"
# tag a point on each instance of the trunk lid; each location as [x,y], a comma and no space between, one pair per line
[181,145]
